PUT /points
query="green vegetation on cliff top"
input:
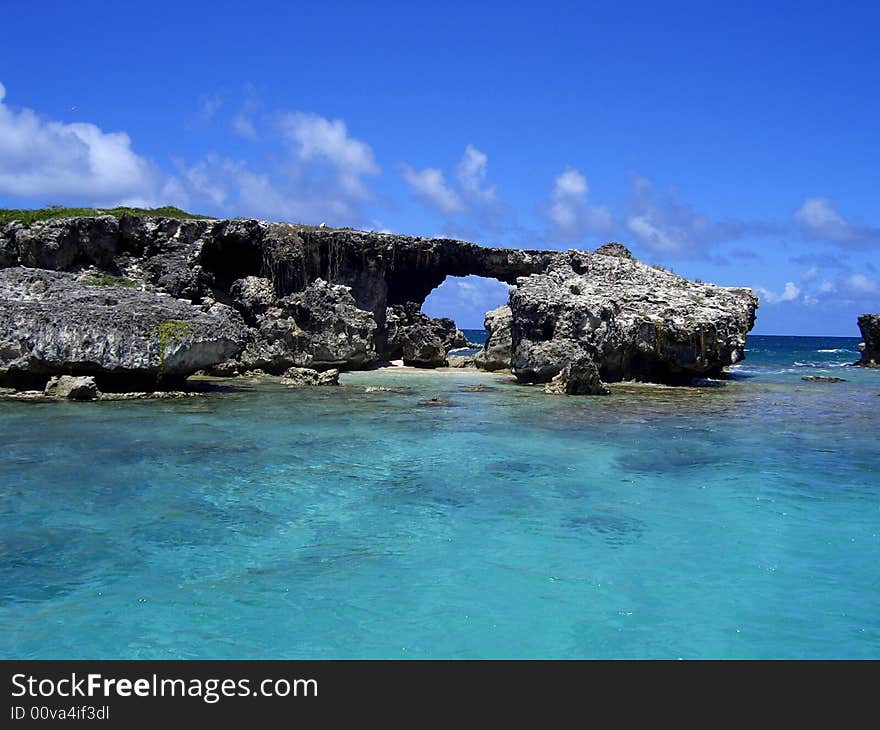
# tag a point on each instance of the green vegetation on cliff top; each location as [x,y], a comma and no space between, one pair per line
[54,211]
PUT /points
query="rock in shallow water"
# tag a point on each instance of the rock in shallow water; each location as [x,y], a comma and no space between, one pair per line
[320,326]
[420,340]
[869,324]
[632,320]
[73,388]
[496,353]
[52,324]
[298,296]
[304,377]
[578,378]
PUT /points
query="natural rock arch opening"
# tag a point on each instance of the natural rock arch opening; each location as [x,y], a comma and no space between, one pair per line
[466,299]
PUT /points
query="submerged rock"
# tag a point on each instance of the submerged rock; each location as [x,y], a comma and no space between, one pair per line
[72,388]
[496,353]
[822,379]
[302,377]
[869,324]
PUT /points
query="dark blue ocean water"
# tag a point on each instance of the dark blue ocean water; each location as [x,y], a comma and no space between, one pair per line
[737,519]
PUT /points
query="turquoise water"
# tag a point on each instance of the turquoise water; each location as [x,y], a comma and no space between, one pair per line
[739,519]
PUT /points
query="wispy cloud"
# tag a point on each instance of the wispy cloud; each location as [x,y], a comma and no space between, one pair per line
[243,126]
[571,214]
[861,284]
[471,173]
[430,186]
[209,105]
[666,225]
[466,194]
[818,219]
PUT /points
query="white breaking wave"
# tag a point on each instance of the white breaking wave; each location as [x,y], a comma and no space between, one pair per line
[839,349]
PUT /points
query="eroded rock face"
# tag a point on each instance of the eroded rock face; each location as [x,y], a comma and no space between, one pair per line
[418,339]
[305,377]
[73,388]
[496,353]
[317,328]
[577,378]
[253,296]
[51,324]
[869,324]
[634,321]
[283,295]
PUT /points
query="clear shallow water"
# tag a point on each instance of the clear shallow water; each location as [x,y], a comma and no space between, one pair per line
[741,519]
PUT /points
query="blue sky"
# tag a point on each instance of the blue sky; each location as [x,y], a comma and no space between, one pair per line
[734,142]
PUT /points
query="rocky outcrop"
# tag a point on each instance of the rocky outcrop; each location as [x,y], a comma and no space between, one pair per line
[577,378]
[497,351]
[460,361]
[159,297]
[305,377]
[51,323]
[319,327]
[418,339]
[632,320]
[869,324]
[73,388]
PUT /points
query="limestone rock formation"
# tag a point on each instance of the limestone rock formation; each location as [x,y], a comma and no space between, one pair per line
[577,378]
[73,388]
[253,296]
[869,324]
[52,324]
[418,339]
[633,320]
[318,327]
[496,353]
[303,377]
[90,296]
[460,361]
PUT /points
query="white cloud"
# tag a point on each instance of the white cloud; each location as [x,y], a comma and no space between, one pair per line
[471,173]
[667,240]
[861,284]
[570,210]
[810,273]
[820,220]
[57,162]
[315,138]
[50,162]
[825,287]
[430,185]
[788,294]
[207,180]
[470,192]
[664,224]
